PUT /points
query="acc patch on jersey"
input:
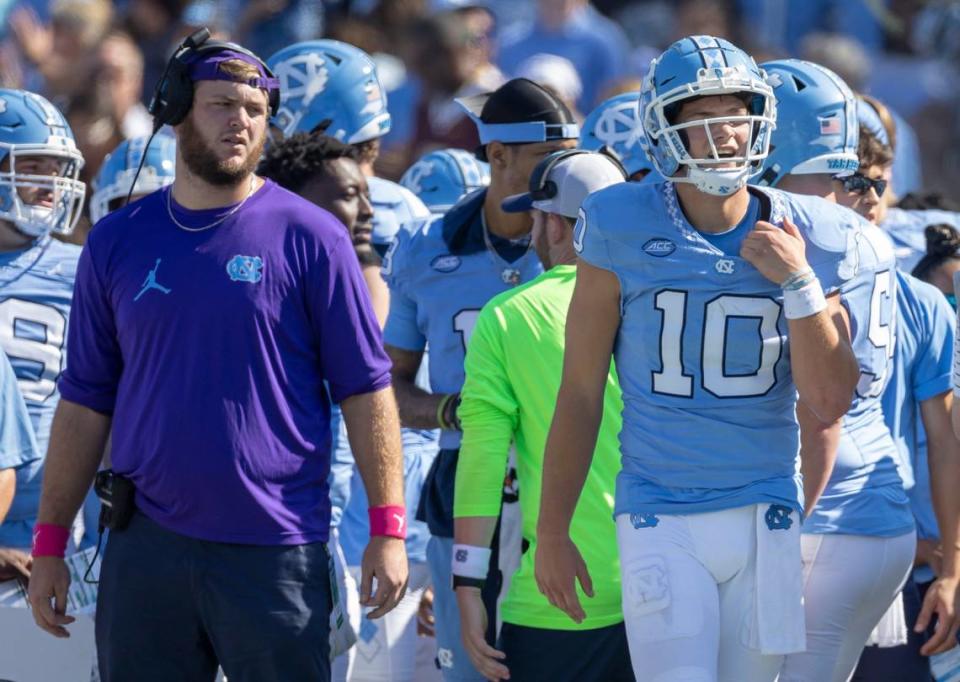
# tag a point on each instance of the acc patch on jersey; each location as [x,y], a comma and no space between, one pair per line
[245,269]
[447,263]
[659,247]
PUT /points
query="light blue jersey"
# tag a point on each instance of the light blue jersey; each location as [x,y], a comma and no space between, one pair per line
[921,370]
[440,276]
[18,444]
[865,494]
[36,288]
[702,350]
[905,229]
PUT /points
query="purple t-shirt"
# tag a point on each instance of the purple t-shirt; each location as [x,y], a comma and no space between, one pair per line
[211,350]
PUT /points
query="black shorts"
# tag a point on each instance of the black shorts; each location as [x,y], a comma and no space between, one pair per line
[537,654]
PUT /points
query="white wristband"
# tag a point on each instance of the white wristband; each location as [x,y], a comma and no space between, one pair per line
[470,561]
[803,302]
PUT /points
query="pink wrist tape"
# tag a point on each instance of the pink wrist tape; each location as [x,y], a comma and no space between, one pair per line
[389,520]
[49,540]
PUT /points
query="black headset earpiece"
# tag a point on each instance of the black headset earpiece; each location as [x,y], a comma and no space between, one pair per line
[173,95]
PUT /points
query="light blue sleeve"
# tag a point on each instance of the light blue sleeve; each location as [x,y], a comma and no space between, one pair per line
[588,238]
[402,329]
[932,369]
[18,443]
[341,466]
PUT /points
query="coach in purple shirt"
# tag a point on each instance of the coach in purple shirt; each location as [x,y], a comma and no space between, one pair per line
[207,318]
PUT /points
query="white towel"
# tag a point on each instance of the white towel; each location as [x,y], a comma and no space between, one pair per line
[779,627]
[892,628]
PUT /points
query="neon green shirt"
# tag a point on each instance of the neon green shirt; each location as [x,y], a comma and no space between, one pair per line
[514,365]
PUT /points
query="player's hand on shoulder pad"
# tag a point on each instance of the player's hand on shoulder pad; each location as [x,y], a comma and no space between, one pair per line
[776,252]
[384,560]
[50,580]
[557,567]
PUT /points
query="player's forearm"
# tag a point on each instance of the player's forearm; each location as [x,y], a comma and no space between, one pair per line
[943,460]
[567,458]
[8,487]
[418,408]
[77,440]
[823,365]
[474,530]
[373,428]
[818,452]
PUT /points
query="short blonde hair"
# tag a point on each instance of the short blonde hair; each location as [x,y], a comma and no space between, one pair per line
[239,70]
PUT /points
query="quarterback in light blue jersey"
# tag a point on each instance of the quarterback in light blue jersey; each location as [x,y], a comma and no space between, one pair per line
[862,519]
[440,276]
[40,194]
[718,303]
[333,87]
[441,178]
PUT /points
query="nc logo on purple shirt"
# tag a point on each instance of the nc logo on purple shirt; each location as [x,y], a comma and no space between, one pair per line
[245,269]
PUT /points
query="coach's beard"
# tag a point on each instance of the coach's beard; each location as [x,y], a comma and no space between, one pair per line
[203,162]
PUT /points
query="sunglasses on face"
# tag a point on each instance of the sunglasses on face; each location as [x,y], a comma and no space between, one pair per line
[861,184]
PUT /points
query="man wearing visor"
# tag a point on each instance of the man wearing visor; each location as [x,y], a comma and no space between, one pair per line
[440,276]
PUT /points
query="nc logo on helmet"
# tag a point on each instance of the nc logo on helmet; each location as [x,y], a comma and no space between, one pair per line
[245,269]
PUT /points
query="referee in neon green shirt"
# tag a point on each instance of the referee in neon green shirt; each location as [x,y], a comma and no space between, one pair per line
[513,370]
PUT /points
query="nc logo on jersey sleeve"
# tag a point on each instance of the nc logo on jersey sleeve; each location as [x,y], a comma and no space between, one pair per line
[579,230]
[245,269]
[778,517]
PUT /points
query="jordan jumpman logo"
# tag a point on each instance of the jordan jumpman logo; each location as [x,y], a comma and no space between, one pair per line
[151,283]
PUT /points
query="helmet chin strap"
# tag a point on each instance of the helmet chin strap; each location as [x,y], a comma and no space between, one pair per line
[35,221]
[718,182]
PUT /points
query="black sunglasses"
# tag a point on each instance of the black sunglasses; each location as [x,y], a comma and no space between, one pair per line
[858,183]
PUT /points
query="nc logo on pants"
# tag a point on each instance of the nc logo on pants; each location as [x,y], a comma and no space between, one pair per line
[778,517]
[644,520]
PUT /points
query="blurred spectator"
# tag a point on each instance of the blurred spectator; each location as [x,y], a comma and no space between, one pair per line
[703,17]
[156,26]
[596,46]
[557,75]
[785,24]
[841,54]
[266,26]
[120,70]
[450,56]
[64,52]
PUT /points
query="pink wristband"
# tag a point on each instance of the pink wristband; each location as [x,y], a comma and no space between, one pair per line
[389,520]
[49,540]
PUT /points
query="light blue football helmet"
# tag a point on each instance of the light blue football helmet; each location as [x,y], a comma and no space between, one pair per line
[119,168]
[700,66]
[30,126]
[441,178]
[329,85]
[817,129]
[615,124]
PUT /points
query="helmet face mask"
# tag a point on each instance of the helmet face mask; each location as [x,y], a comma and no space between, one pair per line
[31,127]
[696,67]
